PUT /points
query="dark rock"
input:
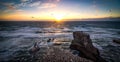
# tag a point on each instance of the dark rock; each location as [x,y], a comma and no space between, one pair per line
[50,40]
[34,49]
[83,44]
[38,32]
[116,41]
[57,44]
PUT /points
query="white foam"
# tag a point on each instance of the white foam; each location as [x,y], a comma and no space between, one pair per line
[80,29]
[97,46]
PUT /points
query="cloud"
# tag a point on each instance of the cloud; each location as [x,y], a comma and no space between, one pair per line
[48,5]
[13,11]
[38,4]
[57,0]
[28,4]
[24,0]
[9,5]
[35,4]
[19,10]
[54,0]
[21,5]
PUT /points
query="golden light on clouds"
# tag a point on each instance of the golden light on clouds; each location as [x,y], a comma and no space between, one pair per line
[58,10]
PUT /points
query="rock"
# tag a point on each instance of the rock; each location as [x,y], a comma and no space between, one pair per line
[34,49]
[83,44]
[49,40]
[116,41]
[53,54]
[58,55]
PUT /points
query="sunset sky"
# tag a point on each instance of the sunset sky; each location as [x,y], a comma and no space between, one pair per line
[58,9]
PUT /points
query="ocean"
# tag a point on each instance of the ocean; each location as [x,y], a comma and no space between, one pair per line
[16,37]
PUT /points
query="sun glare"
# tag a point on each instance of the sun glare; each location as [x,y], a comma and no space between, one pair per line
[58,17]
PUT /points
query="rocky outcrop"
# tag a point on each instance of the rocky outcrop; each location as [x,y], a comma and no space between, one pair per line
[34,49]
[83,44]
[116,41]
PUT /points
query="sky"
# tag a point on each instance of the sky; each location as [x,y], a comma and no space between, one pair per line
[23,10]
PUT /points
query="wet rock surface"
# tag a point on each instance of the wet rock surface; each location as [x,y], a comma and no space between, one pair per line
[83,44]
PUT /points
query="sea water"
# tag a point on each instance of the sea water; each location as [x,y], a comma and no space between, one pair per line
[16,37]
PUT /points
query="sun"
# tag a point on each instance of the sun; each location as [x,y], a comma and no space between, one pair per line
[58,17]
